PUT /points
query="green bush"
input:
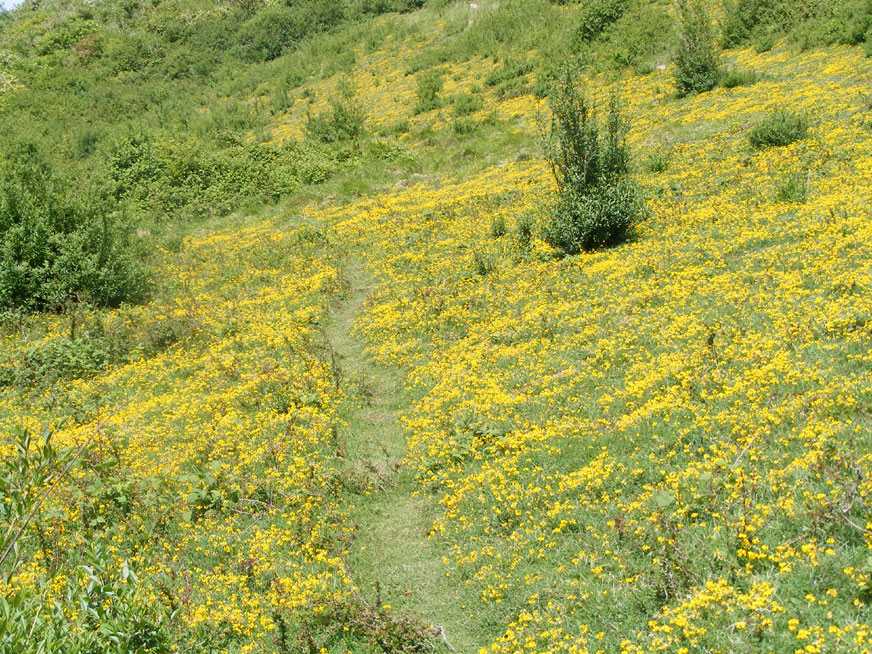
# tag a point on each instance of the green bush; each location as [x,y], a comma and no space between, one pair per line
[697,59]
[57,243]
[342,122]
[732,78]
[466,103]
[602,216]
[596,16]
[821,22]
[598,205]
[429,86]
[781,127]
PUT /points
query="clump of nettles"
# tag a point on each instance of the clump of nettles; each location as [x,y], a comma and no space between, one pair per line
[697,58]
[598,204]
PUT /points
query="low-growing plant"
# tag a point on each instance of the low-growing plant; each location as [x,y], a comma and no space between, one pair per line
[524,229]
[429,86]
[697,59]
[731,78]
[794,188]
[344,121]
[508,71]
[658,160]
[482,263]
[464,126]
[498,227]
[598,204]
[466,103]
[781,127]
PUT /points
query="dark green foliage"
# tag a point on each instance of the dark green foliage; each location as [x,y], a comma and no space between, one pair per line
[731,78]
[271,31]
[596,16]
[59,243]
[429,86]
[764,43]
[781,127]
[342,122]
[814,22]
[598,205]
[466,103]
[602,216]
[508,71]
[498,227]
[697,59]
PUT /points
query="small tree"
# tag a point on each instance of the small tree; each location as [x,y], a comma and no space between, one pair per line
[597,205]
[697,59]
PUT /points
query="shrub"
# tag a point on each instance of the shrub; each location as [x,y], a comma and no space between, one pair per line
[732,78]
[697,60]
[765,43]
[597,204]
[810,23]
[466,103]
[55,244]
[596,16]
[604,215]
[429,86]
[342,122]
[781,127]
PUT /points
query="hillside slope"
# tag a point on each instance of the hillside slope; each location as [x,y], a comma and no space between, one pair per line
[383,414]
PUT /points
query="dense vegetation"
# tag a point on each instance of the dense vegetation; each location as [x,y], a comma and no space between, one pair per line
[309,340]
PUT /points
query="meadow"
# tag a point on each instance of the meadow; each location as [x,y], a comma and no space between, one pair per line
[381,413]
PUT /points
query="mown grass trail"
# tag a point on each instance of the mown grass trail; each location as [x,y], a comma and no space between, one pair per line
[391,557]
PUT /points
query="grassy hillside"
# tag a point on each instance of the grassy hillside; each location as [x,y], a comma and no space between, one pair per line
[361,404]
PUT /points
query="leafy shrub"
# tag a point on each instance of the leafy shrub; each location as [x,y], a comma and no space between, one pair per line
[605,215]
[597,204]
[732,78]
[596,16]
[764,43]
[271,31]
[810,23]
[781,127]
[56,243]
[429,86]
[104,615]
[466,103]
[697,60]
[342,122]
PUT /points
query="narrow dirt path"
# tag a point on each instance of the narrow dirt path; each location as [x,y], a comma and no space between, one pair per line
[391,548]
